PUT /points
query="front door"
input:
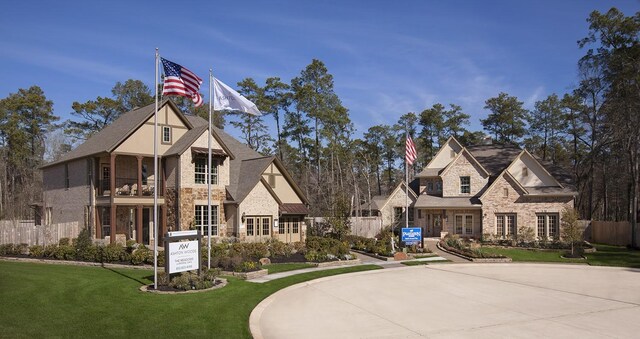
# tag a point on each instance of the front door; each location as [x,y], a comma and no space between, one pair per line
[289,229]
[436,225]
[145,226]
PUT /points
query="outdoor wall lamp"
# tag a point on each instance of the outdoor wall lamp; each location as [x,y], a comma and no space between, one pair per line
[243,217]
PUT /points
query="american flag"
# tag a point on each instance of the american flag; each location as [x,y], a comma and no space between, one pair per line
[411,154]
[181,81]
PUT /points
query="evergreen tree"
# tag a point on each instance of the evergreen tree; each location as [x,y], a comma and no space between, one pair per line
[507,118]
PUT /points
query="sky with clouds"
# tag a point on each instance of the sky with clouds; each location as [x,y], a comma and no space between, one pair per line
[387,58]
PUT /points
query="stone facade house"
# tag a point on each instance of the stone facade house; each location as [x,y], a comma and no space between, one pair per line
[107,183]
[491,190]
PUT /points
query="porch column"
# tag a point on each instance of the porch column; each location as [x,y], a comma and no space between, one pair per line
[114,223]
[112,175]
[163,218]
[98,217]
[139,183]
[139,239]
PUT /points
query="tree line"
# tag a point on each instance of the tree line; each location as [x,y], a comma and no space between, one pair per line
[591,131]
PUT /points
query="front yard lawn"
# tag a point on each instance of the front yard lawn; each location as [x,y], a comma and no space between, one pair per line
[44,300]
[277,268]
[605,255]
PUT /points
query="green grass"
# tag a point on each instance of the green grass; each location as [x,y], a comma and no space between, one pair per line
[415,263]
[72,301]
[277,268]
[604,256]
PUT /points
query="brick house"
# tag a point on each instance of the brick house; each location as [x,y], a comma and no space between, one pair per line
[491,190]
[106,183]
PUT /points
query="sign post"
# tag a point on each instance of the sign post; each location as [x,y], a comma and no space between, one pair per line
[182,251]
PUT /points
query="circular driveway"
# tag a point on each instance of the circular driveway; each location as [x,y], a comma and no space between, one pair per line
[461,300]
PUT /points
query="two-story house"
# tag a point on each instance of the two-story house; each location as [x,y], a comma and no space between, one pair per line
[107,183]
[491,190]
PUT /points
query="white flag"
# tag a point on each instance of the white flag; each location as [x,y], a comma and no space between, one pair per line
[226,98]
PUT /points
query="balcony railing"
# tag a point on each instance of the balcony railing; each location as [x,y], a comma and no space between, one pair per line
[124,187]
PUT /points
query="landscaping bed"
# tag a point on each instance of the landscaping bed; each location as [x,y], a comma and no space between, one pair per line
[459,247]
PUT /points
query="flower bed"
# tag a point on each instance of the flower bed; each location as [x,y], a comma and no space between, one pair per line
[459,247]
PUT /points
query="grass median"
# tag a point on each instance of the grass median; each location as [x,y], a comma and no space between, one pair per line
[605,255]
[43,300]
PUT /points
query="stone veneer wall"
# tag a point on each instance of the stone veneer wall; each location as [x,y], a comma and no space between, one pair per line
[397,200]
[461,168]
[188,198]
[170,201]
[525,208]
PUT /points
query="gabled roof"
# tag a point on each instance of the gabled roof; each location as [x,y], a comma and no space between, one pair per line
[399,187]
[434,201]
[494,158]
[110,137]
[432,172]
[250,170]
[463,151]
[200,126]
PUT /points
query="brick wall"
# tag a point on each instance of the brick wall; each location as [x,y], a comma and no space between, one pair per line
[525,208]
[461,168]
[67,204]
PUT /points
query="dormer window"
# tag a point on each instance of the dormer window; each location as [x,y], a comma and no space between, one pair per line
[429,186]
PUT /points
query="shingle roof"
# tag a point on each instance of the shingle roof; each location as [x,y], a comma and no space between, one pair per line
[293,209]
[494,158]
[432,201]
[107,139]
[430,172]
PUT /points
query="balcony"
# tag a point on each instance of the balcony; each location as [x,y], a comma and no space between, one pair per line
[125,187]
[122,176]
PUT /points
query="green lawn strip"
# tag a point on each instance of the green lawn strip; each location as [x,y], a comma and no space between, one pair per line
[41,300]
[526,255]
[605,255]
[415,263]
[277,268]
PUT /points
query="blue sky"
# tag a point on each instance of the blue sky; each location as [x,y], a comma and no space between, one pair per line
[387,58]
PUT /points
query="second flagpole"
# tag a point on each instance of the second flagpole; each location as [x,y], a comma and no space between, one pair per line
[209,170]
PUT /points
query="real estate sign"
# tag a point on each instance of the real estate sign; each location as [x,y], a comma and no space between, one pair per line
[411,234]
[183,256]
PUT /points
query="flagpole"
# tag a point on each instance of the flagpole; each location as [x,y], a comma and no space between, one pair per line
[209,170]
[406,182]
[155,184]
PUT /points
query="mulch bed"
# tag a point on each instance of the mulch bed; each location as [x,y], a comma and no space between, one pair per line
[293,258]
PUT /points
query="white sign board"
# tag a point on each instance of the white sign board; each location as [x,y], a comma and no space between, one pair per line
[183,233]
[183,256]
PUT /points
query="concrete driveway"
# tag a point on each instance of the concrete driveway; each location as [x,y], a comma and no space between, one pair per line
[460,301]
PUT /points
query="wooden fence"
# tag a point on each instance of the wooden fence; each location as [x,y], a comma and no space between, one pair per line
[27,232]
[612,233]
[366,226]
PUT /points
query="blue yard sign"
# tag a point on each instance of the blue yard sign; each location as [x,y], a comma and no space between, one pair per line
[411,234]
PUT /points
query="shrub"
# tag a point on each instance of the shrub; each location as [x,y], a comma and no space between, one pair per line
[6,249]
[247,266]
[36,251]
[192,281]
[326,246]
[64,242]
[181,282]
[85,250]
[113,253]
[160,258]
[279,248]
[299,247]
[50,250]
[252,250]
[141,255]
[65,252]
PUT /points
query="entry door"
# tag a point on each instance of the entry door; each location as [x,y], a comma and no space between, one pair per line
[145,225]
[105,177]
[436,225]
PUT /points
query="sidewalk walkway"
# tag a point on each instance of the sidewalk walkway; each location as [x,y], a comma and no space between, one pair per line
[431,243]
[364,260]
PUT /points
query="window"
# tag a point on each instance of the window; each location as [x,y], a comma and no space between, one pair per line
[505,192]
[438,187]
[429,186]
[202,219]
[266,226]
[397,213]
[200,166]
[106,222]
[465,185]
[506,224]
[464,224]
[548,225]
[66,176]
[272,181]
[525,172]
[166,134]
[250,227]
[296,226]
[281,225]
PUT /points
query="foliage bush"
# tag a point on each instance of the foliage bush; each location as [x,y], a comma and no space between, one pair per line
[64,242]
[251,250]
[455,244]
[64,252]
[279,248]
[85,249]
[192,281]
[113,253]
[36,251]
[324,246]
[248,266]
[141,256]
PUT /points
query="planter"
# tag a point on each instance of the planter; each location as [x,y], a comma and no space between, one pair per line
[220,283]
[337,263]
[486,260]
[247,275]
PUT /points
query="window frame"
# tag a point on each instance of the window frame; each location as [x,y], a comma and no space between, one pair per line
[200,164]
[203,215]
[169,135]
[543,222]
[508,223]
[465,185]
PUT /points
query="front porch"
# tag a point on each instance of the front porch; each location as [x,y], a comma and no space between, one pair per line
[120,223]
[440,222]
